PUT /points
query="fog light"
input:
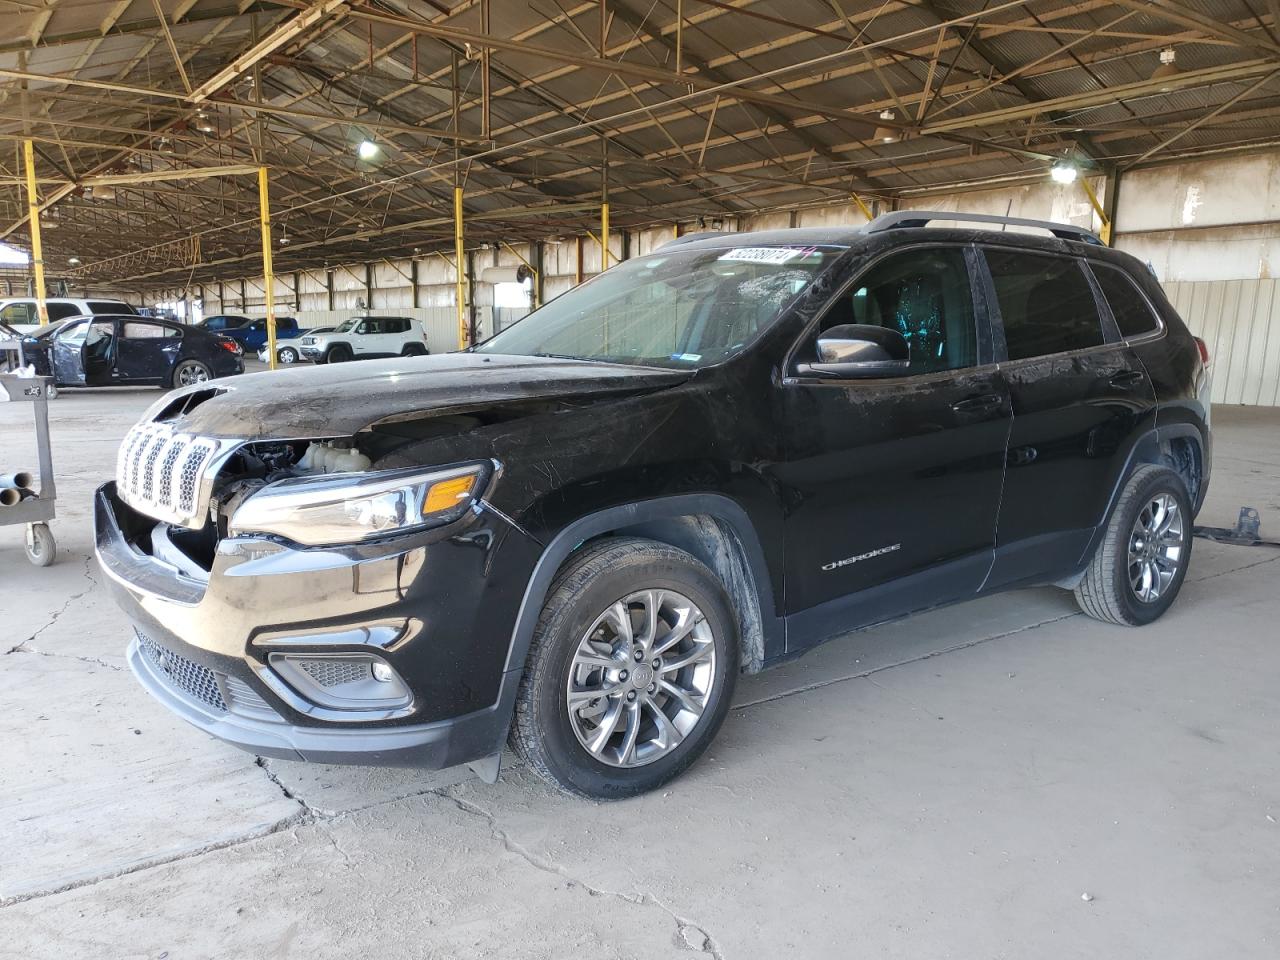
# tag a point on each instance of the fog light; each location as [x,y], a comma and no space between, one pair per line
[343,681]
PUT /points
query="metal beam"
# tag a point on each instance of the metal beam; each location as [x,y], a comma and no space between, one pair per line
[273,41]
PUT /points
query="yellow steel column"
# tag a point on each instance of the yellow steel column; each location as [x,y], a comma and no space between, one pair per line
[268,275]
[862,205]
[604,236]
[33,218]
[460,266]
[1105,233]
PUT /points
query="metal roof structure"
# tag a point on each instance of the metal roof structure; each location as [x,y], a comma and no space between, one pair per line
[679,109]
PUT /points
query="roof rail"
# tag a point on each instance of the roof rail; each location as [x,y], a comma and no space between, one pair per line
[696,235]
[921,218]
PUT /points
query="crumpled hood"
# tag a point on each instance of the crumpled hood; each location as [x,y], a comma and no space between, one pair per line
[340,399]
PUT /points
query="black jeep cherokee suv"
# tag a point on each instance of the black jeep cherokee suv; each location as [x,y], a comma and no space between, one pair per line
[705,461]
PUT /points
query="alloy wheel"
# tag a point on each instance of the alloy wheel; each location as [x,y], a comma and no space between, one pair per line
[190,373]
[1156,547]
[641,678]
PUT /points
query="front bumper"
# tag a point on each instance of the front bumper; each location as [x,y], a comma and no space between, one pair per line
[203,644]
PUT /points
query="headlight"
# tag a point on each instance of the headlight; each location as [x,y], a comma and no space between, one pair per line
[346,508]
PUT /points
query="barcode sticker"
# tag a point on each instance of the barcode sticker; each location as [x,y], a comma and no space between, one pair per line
[766,254]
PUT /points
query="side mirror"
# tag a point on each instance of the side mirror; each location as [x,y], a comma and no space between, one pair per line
[854,350]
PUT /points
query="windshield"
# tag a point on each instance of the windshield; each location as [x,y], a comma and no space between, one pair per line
[682,309]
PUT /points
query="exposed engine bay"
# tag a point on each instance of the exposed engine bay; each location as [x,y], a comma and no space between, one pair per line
[252,467]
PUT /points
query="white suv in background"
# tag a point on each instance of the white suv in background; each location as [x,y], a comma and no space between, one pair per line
[364,338]
[21,312]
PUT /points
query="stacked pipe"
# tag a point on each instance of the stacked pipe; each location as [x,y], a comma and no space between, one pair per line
[15,487]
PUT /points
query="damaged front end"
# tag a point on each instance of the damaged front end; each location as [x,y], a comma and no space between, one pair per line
[290,598]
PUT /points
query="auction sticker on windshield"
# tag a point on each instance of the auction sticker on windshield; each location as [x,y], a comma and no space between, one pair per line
[767,254]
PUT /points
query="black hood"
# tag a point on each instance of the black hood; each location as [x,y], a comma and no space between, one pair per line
[337,400]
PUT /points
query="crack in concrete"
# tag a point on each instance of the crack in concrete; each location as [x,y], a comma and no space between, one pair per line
[287,823]
[689,935]
[862,674]
[22,647]
[311,813]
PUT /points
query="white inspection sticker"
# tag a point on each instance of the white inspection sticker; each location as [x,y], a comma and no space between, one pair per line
[766,254]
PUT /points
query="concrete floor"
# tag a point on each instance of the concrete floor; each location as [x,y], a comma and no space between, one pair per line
[950,786]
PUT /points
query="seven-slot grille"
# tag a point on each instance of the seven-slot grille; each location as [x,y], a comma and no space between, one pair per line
[161,473]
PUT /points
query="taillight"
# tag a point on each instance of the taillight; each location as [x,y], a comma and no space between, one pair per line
[231,346]
[1204,350]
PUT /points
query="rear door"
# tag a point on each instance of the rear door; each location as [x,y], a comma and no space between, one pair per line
[147,351]
[893,484]
[1079,397]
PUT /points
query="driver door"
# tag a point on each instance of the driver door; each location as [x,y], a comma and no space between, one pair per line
[893,481]
[84,353]
[368,337]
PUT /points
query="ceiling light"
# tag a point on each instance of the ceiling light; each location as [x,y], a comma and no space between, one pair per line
[204,126]
[1063,172]
[73,261]
[886,134]
[367,150]
[1168,66]
[284,241]
[104,193]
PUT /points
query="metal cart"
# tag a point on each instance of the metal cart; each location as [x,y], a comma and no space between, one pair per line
[34,511]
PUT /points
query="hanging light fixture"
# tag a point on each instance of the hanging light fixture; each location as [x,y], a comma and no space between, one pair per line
[1168,67]
[1064,172]
[367,150]
[886,134]
[73,261]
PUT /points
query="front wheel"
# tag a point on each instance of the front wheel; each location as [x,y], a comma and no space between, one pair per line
[1138,567]
[339,354]
[190,372]
[631,670]
[287,355]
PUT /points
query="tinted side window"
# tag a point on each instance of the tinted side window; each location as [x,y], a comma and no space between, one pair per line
[60,311]
[398,326]
[1133,314]
[1046,304]
[923,294]
[109,306]
[371,326]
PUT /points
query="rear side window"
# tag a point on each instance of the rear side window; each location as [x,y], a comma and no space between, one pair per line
[1133,314]
[109,306]
[1046,303]
[397,325]
[133,330]
[60,311]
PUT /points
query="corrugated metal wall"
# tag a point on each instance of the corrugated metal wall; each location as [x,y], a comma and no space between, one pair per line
[1238,320]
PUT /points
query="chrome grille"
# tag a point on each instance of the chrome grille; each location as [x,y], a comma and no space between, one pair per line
[163,473]
[196,681]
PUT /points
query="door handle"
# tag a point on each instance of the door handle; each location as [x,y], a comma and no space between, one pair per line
[986,401]
[1126,379]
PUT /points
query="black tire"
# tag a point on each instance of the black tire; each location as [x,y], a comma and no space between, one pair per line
[1107,592]
[591,581]
[287,355]
[339,353]
[413,350]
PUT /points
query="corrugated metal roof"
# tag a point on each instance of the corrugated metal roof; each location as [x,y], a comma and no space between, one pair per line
[777,107]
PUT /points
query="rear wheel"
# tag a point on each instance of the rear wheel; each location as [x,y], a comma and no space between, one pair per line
[631,670]
[413,350]
[190,372]
[1138,567]
[340,353]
